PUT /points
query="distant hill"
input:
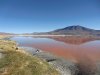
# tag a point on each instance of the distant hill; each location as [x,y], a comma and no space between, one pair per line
[74,30]
[70,30]
[3,33]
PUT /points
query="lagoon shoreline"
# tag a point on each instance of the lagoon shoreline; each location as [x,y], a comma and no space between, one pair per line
[64,66]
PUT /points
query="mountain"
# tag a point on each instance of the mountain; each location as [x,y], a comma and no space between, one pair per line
[75,30]
[4,33]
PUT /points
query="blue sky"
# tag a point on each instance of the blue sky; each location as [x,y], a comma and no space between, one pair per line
[26,16]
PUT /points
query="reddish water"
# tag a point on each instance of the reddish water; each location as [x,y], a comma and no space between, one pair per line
[77,49]
[83,50]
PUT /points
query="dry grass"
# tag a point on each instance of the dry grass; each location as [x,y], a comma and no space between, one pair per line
[3,36]
[7,45]
[15,62]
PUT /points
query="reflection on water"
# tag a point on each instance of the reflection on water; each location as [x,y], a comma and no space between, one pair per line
[73,48]
[85,51]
